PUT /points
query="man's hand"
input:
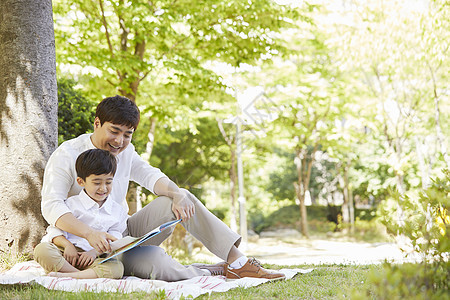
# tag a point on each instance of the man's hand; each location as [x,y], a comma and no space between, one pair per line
[99,240]
[182,205]
[71,254]
[86,258]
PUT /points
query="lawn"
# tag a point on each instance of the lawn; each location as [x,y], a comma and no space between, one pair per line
[325,282]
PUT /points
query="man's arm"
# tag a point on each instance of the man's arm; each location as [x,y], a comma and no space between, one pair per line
[158,183]
[97,239]
[182,206]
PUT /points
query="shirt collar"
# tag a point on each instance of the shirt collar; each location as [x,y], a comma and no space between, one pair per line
[89,142]
[88,203]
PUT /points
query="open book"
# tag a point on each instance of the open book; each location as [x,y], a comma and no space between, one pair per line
[129,242]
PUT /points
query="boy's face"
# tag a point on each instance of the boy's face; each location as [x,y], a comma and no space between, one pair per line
[98,187]
[111,137]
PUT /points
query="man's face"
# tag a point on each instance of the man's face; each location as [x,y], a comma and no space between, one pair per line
[111,137]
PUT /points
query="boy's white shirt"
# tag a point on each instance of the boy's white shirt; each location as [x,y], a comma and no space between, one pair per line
[60,176]
[111,217]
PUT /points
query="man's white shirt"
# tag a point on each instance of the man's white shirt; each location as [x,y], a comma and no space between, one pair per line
[60,176]
[111,217]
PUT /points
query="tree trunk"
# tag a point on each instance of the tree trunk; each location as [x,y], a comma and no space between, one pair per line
[301,189]
[423,166]
[348,195]
[437,123]
[151,139]
[28,121]
[343,185]
[352,209]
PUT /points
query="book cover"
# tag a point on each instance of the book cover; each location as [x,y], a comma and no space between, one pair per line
[127,243]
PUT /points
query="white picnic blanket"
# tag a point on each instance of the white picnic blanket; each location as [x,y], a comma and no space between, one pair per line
[30,271]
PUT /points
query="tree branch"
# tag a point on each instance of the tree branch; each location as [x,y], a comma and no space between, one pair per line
[105,24]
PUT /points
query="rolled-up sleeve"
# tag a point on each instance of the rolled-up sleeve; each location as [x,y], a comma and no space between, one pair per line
[56,185]
[52,232]
[143,173]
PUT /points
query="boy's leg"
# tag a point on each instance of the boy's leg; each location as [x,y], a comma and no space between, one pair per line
[206,227]
[85,274]
[152,262]
[49,257]
[112,268]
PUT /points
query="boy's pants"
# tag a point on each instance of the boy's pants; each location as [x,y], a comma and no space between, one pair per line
[151,261]
[51,258]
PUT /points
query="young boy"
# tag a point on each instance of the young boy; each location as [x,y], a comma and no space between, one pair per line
[66,255]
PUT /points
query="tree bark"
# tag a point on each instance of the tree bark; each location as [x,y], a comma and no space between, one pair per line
[300,160]
[437,123]
[151,138]
[348,211]
[345,210]
[28,121]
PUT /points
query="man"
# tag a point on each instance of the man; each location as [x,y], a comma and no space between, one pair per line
[115,122]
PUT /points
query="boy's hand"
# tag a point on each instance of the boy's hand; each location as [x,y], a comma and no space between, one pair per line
[86,258]
[71,254]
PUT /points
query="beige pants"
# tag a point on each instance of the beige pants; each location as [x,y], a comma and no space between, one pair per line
[51,258]
[150,261]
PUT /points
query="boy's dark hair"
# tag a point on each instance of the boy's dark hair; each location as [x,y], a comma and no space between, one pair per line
[95,161]
[118,110]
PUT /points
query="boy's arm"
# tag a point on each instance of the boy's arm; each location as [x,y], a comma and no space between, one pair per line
[62,242]
[70,252]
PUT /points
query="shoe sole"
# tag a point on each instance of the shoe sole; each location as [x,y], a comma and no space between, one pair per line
[269,280]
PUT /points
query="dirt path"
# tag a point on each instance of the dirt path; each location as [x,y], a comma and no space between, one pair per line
[295,251]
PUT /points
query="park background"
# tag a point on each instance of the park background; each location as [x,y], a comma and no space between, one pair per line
[334,116]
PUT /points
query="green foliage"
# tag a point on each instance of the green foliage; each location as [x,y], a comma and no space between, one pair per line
[425,220]
[190,159]
[406,281]
[282,178]
[9,258]
[319,218]
[426,223]
[76,113]
[155,51]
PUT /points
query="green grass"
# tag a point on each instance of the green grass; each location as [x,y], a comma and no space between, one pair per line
[8,259]
[324,282]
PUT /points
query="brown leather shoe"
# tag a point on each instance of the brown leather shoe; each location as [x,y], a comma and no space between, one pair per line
[215,270]
[252,268]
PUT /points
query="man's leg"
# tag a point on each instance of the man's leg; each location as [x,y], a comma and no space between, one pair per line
[207,228]
[215,235]
[152,262]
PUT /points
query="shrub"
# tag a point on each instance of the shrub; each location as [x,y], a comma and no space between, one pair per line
[425,224]
[76,113]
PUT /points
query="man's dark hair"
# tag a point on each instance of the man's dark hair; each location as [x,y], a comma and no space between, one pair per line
[118,110]
[95,161]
